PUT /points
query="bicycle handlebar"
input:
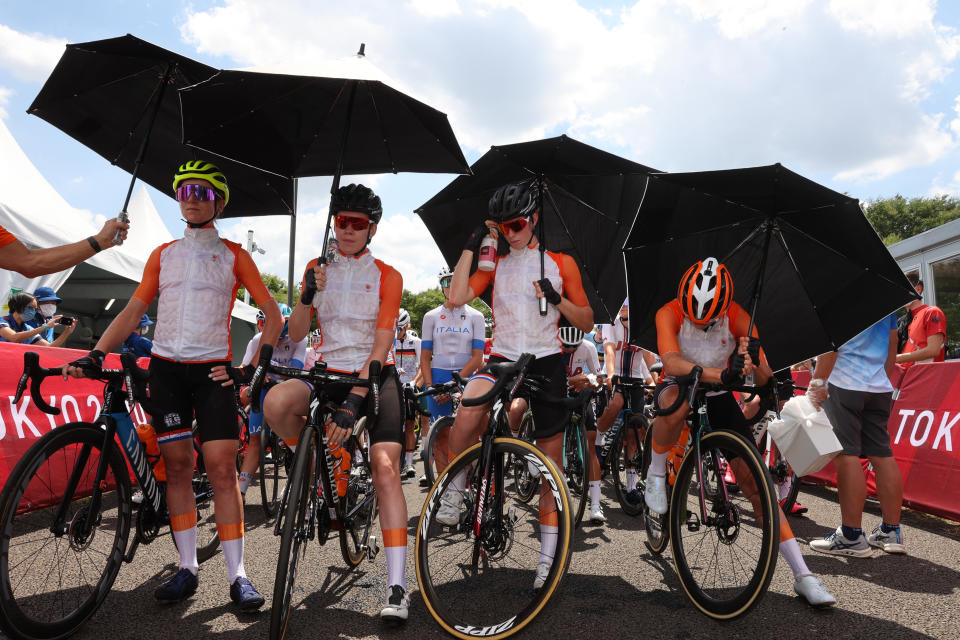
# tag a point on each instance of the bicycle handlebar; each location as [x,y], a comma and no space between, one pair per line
[438,389]
[505,372]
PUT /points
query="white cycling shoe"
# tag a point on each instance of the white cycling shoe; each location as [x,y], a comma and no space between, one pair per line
[449,511]
[813,591]
[655,493]
[543,570]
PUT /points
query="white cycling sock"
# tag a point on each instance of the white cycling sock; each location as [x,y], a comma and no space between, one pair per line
[631,479]
[231,541]
[658,463]
[187,546]
[594,492]
[785,488]
[245,480]
[548,542]
[409,459]
[790,550]
[395,546]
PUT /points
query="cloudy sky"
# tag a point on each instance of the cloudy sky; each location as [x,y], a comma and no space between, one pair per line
[860,95]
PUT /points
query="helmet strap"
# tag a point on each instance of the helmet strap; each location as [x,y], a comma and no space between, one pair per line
[200,225]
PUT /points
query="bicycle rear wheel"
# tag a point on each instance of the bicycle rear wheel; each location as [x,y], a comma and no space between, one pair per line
[294,537]
[54,574]
[627,459]
[724,562]
[657,526]
[360,505]
[575,468]
[444,425]
[273,465]
[482,586]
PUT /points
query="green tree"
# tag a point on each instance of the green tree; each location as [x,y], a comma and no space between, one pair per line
[276,286]
[898,218]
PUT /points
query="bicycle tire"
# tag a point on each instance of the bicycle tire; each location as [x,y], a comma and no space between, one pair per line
[463,600]
[429,458]
[293,541]
[621,461]
[208,538]
[355,535]
[20,614]
[575,469]
[527,482]
[656,526]
[754,551]
[272,454]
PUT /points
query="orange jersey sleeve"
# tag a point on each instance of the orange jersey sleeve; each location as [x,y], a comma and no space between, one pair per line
[150,282]
[668,321]
[6,237]
[570,275]
[391,288]
[480,280]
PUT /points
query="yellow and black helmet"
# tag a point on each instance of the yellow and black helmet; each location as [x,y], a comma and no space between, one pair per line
[203,170]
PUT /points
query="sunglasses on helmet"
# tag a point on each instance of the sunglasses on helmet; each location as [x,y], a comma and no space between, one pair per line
[358,224]
[198,191]
[516,226]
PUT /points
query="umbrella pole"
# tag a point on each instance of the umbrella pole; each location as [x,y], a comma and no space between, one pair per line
[293,244]
[755,303]
[543,219]
[335,184]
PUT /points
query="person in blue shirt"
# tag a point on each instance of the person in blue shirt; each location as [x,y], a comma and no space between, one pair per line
[47,300]
[852,386]
[136,343]
[22,325]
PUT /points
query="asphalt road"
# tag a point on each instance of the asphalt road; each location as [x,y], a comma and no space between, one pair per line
[615,589]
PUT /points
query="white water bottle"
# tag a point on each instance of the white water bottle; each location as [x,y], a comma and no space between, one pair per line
[487,256]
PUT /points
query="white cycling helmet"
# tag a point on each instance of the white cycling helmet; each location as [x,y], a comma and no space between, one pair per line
[444,273]
[570,336]
[403,318]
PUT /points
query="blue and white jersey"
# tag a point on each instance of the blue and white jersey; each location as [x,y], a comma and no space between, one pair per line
[451,335]
[406,355]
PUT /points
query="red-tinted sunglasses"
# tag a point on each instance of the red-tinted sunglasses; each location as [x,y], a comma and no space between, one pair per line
[358,224]
[198,191]
[516,226]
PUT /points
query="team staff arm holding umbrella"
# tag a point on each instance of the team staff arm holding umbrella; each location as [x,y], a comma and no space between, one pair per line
[15,256]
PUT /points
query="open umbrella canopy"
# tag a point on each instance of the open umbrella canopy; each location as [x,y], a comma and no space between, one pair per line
[823,273]
[301,126]
[589,202]
[103,94]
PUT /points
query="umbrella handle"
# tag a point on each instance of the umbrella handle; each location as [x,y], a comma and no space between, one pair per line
[122,217]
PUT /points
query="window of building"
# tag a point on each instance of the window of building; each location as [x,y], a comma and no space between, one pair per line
[946,285]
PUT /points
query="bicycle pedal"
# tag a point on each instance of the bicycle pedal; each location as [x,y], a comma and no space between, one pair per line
[372,549]
[692,522]
[512,516]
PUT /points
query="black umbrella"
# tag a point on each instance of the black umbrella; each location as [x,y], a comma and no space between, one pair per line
[118,97]
[806,263]
[589,200]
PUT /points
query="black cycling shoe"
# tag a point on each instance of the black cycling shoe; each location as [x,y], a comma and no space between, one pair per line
[245,596]
[181,586]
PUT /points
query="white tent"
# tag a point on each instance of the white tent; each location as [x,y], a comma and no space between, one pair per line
[33,211]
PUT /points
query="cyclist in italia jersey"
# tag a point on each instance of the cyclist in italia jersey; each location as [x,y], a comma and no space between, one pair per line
[196,279]
[286,353]
[704,327]
[453,341]
[355,300]
[520,328]
[406,352]
[624,359]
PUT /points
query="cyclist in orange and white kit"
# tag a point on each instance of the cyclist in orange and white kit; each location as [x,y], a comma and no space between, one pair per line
[519,328]
[196,279]
[624,359]
[355,299]
[704,327]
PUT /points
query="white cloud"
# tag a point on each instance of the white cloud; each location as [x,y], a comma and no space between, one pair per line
[435,8]
[883,17]
[949,187]
[5,94]
[29,56]
[746,17]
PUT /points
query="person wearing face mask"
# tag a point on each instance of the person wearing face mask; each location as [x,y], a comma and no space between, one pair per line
[136,343]
[47,300]
[24,324]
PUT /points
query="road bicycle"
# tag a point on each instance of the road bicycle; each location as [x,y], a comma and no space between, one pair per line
[475,577]
[724,541]
[320,497]
[624,446]
[66,509]
[441,424]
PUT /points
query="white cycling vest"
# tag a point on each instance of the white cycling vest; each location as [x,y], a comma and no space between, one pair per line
[197,288]
[518,326]
[710,348]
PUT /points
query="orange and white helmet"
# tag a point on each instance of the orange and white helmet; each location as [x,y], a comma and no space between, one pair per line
[706,290]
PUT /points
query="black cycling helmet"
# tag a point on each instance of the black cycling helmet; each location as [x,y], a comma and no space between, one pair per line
[515,200]
[356,197]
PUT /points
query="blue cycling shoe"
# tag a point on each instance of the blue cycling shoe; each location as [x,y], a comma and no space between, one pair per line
[183,585]
[245,595]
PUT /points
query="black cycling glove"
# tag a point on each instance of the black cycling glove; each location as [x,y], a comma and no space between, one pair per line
[549,292]
[309,287]
[475,238]
[754,350]
[241,375]
[733,374]
[346,416]
[93,360]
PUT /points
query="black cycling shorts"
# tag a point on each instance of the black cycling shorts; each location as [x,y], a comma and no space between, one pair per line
[180,391]
[549,419]
[388,426]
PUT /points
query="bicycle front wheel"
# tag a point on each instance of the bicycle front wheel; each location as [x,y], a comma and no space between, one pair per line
[273,466]
[726,555]
[294,537]
[483,585]
[430,465]
[575,468]
[359,505]
[58,560]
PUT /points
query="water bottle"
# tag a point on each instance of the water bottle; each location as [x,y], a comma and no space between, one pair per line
[487,256]
[149,438]
[341,468]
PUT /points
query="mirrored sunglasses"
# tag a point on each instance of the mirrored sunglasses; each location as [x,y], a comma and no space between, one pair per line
[358,224]
[198,191]
[516,226]
[445,282]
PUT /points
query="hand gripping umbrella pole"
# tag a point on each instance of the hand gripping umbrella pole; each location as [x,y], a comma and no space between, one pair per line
[543,219]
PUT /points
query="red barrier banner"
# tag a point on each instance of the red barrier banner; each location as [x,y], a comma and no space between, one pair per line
[924,428]
[22,423]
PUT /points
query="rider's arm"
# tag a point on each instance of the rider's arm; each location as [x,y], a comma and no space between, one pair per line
[610,359]
[477,331]
[463,286]
[426,348]
[650,359]
[426,355]
[476,359]
[299,323]
[668,328]
[391,288]
[299,354]
[126,322]
[573,299]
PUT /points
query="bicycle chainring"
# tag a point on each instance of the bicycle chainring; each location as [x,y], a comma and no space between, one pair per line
[148,524]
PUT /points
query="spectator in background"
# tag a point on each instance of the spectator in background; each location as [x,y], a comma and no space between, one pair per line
[47,300]
[136,343]
[15,256]
[853,387]
[19,325]
[923,331]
